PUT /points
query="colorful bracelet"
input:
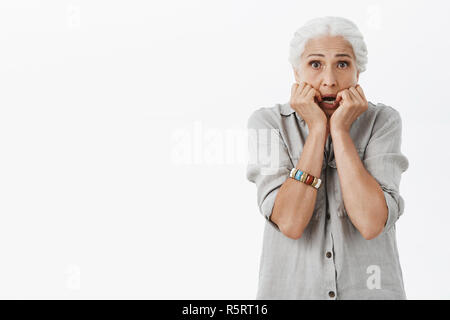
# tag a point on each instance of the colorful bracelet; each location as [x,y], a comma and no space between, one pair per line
[306,178]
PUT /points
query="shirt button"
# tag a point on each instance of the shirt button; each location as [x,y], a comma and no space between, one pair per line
[331,294]
[328,254]
[328,216]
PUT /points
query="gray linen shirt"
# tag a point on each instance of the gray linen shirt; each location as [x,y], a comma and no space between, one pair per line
[331,260]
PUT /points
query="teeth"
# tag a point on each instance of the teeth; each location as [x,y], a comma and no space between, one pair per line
[329,102]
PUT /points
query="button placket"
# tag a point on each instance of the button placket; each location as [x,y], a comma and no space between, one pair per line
[330,268]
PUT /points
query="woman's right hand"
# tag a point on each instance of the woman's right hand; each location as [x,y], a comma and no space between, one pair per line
[302,101]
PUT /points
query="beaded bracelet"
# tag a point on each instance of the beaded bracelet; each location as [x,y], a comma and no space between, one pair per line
[304,177]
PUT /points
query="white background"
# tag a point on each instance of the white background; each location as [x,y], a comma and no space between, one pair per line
[122,145]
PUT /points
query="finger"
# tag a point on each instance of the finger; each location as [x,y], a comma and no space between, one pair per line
[347,96]
[301,87]
[339,96]
[361,92]
[311,94]
[355,95]
[306,90]
[294,89]
[318,95]
[297,88]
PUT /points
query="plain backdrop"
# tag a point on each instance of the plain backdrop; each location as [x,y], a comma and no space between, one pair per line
[123,146]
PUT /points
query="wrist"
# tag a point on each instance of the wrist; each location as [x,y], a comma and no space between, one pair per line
[318,129]
[338,132]
[319,134]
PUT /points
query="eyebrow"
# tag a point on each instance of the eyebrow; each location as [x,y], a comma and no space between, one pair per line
[337,55]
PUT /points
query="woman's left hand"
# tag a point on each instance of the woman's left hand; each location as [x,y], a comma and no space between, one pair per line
[353,103]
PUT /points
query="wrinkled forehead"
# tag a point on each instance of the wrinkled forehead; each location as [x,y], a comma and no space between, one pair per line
[328,46]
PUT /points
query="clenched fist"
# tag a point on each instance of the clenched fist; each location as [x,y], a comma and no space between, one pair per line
[352,103]
[303,101]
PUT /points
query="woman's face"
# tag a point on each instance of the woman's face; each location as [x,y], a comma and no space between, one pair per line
[328,64]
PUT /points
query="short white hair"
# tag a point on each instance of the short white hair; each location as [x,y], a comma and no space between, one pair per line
[328,26]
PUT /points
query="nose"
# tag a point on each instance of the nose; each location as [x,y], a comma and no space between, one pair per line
[329,78]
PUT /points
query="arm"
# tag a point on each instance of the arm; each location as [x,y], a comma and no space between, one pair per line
[295,202]
[363,197]
[370,189]
[287,204]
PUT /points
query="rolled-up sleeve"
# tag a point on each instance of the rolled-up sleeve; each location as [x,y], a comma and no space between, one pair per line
[384,160]
[268,160]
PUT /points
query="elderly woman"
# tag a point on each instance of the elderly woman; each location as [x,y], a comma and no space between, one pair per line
[330,192]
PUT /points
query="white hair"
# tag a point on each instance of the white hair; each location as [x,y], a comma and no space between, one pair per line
[328,26]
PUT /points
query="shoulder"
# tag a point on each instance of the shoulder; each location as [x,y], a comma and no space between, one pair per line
[382,122]
[265,117]
[382,113]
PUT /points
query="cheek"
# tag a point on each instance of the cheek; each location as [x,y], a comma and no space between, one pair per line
[308,75]
[347,83]
[352,78]
[312,80]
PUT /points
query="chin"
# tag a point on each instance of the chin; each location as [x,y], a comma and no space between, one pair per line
[328,112]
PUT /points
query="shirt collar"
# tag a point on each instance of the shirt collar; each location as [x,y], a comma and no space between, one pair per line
[286,110]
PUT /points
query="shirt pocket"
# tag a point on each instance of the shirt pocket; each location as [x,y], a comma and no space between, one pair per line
[340,208]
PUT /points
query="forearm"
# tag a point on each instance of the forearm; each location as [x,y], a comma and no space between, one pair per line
[295,200]
[362,195]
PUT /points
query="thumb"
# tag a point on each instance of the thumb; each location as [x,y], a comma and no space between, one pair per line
[339,96]
[318,95]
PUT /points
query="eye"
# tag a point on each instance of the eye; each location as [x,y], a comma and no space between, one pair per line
[315,64]
[342,64]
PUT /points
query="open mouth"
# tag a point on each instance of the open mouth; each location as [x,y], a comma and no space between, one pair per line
[329,100]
